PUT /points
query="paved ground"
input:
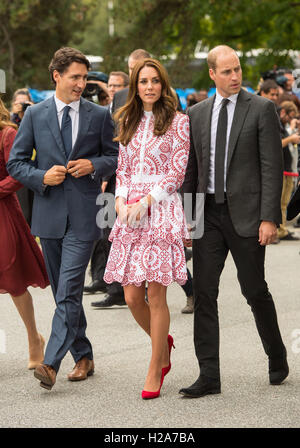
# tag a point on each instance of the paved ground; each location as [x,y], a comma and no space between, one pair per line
[112,397]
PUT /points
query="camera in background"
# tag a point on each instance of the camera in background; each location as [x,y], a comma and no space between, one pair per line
[92,90]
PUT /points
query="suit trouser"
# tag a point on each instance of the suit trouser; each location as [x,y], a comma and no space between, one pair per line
[209,255]
[66,261]
[99,259]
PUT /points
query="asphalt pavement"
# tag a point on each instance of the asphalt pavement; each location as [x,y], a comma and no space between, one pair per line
[112,397]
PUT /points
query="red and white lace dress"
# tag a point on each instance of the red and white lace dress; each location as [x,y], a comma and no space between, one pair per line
[153,250]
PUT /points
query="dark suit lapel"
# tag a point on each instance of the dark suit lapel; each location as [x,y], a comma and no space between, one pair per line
[83,126]
[205,127]
[241,109]
[53,124]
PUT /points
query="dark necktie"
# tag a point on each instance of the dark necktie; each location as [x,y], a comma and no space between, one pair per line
[220,153]
[66,130]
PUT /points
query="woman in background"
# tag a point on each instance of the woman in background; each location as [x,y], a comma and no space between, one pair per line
[21,260]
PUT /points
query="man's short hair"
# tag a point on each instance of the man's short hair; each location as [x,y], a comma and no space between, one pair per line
[215,52]
[289,107]
[64,57]
[123,75]
[268,85]
[139,54]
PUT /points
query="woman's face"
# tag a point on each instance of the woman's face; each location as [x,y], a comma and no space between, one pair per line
[149,87]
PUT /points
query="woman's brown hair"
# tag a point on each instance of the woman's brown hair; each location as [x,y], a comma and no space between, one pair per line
[164,110]
[5,117]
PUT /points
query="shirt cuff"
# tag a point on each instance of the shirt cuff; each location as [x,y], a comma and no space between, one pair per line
[159,194]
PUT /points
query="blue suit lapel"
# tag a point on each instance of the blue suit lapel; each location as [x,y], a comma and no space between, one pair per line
[83,126]
[53,124]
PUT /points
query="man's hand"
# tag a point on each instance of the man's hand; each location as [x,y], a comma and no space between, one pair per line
[295,139]
[104,186]
[80,167]
[188,242]
[55,176]
[267,233]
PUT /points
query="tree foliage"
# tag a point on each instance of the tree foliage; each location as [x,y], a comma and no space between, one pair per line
[174,27]
[31,31]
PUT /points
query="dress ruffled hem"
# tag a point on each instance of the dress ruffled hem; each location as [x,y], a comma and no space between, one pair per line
[165,280]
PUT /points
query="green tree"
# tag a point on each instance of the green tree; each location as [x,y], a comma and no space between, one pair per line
[174,27]
[31,31]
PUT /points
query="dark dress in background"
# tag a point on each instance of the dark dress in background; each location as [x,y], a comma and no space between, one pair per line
[21,260]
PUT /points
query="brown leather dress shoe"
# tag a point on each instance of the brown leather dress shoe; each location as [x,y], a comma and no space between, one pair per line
[82,369]
[46,374]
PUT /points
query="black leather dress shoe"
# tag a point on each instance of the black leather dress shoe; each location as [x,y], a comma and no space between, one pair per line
[203,386]
[278,370]
[109,301]
[98,286]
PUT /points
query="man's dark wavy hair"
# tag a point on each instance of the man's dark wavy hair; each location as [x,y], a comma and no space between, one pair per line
[64,57]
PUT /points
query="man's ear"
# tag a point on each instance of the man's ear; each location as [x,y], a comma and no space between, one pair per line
[211,74]
[55,75]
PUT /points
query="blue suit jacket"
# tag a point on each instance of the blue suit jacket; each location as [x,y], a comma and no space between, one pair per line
[74,198]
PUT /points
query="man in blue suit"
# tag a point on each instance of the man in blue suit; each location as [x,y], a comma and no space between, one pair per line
[73,139]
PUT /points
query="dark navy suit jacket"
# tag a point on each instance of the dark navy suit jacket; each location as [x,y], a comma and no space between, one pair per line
[74,199]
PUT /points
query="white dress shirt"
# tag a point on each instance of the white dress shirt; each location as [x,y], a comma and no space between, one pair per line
[213,135]
[74,115]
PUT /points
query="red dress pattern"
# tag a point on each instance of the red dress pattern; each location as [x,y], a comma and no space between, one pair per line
[21,260]
[153,250]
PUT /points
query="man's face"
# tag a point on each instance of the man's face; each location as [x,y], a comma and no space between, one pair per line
[131,64]
[71,83]
[228,74]
[271,95]
[289,83]
[115,83]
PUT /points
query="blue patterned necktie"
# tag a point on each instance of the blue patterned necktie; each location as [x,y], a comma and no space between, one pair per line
[66,130]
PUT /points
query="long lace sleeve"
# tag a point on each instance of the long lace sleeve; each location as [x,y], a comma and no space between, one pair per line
[8,184]
[123,173]
[178,160]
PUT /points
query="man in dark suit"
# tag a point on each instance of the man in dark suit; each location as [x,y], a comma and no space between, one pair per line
[74,146]
[236,162]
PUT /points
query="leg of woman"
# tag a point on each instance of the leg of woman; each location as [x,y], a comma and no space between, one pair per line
[159,329]
[135,299]
[36,342]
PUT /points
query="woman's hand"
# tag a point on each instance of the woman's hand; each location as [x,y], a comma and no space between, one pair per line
[121,209]
[135,213]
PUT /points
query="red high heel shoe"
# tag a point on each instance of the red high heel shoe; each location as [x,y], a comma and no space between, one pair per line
[171,344]
[146,395]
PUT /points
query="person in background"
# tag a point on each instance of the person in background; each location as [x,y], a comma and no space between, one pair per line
[270,90]
[116,82]
[290,138]
[20,101]
[21,260]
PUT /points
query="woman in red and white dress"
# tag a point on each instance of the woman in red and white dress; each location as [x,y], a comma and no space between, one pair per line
[150,230]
